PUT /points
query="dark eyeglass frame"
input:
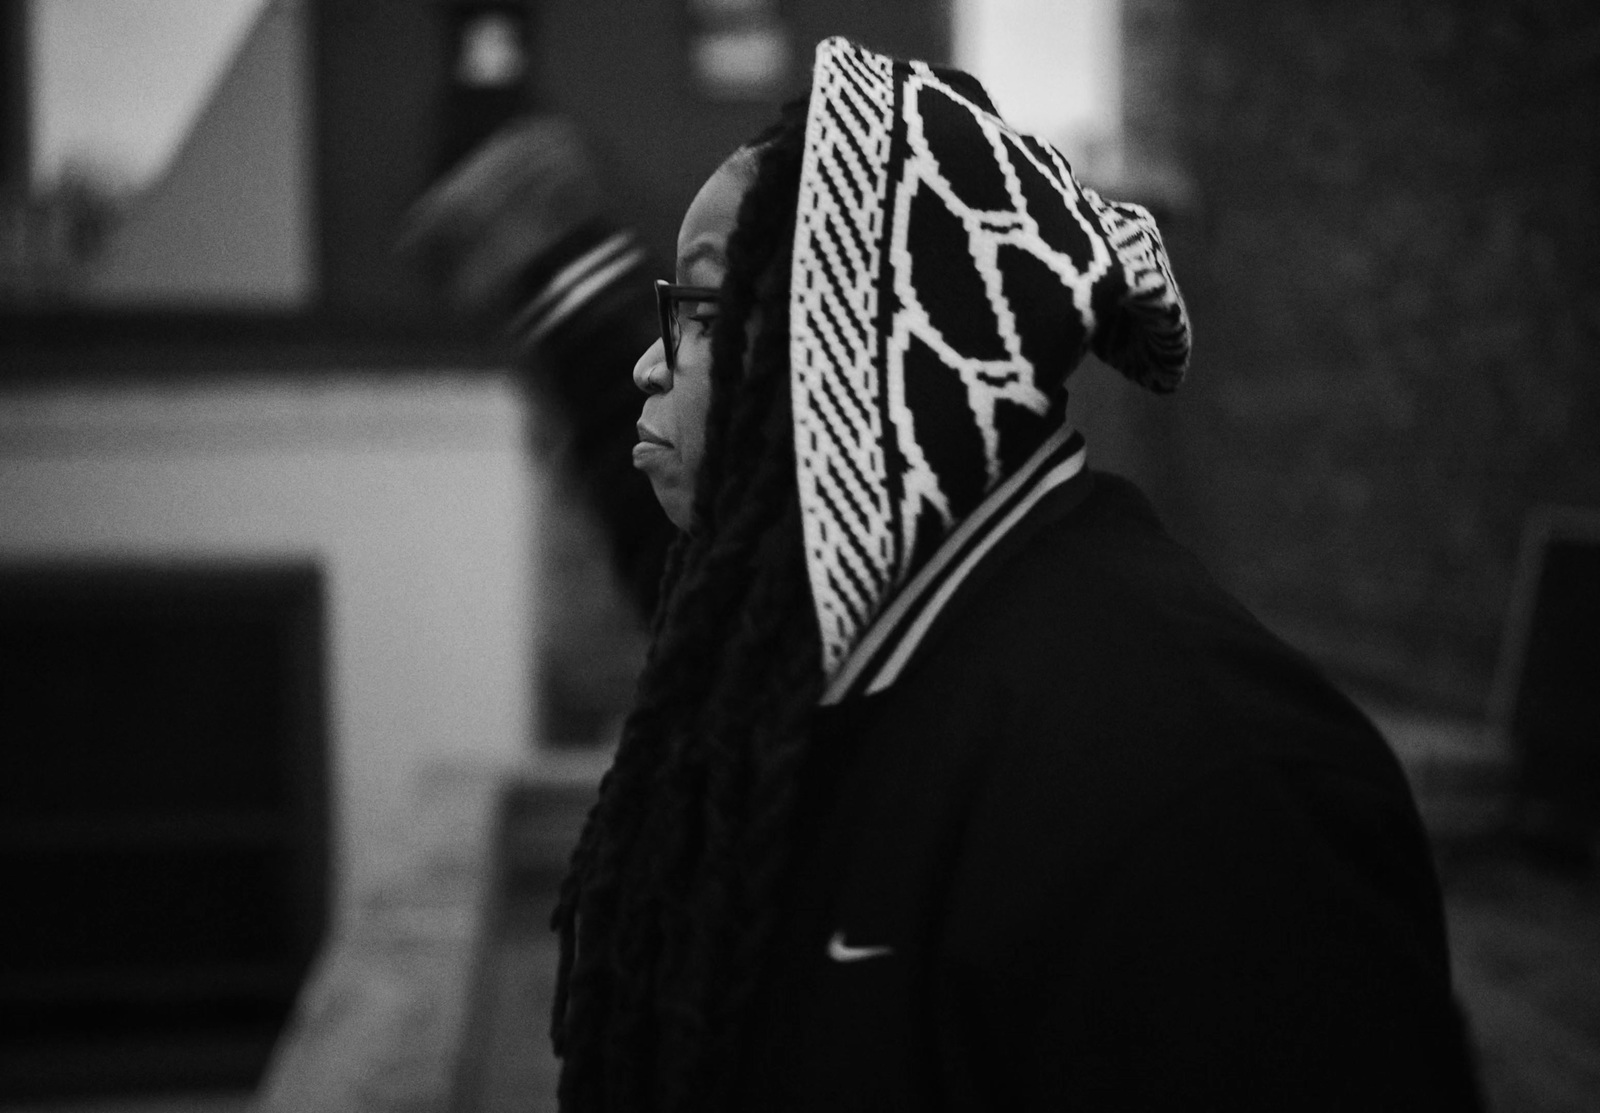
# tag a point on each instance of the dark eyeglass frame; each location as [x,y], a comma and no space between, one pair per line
[668,296]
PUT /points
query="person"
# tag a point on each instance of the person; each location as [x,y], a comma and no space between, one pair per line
[952,780]
[519,234]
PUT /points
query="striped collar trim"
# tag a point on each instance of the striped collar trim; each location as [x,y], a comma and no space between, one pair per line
[574,284]
[894,636]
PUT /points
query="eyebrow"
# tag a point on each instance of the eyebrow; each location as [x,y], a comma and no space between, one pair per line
[702,251]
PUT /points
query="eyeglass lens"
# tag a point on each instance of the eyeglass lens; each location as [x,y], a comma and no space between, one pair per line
[670,302]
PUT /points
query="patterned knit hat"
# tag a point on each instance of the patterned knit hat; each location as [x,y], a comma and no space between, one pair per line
[949,274]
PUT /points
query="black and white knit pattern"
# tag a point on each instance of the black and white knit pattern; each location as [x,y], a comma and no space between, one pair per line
[834,345]
[892,640]
[949,273]
[1155,352]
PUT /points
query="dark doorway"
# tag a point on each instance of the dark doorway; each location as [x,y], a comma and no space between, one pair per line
[163,822]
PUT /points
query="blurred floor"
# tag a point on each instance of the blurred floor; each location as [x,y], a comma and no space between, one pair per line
[192,1103]
[437,997]
[515,1070]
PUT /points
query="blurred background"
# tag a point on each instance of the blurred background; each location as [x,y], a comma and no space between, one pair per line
[309,661]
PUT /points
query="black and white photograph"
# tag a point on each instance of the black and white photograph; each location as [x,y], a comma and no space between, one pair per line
[799,556]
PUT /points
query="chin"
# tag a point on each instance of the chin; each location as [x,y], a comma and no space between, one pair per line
[678,507]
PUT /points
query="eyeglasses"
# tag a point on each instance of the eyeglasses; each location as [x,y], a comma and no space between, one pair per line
[669,295]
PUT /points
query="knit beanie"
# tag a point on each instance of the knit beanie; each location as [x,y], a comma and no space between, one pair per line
[948,274]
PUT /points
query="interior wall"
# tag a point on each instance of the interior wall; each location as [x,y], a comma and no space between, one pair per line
[621,69]
[413,493]
[1387,253]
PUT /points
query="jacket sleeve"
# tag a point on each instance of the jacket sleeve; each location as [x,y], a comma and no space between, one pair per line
[1266,945]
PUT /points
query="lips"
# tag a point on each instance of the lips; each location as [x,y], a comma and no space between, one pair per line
[650,436]
[653,452]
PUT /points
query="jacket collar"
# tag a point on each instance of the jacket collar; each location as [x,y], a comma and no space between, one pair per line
[893,639]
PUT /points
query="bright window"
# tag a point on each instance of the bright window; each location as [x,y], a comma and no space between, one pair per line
[1053,68]
[162,155]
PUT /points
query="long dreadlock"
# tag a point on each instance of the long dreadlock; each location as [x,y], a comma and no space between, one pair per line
[668,909]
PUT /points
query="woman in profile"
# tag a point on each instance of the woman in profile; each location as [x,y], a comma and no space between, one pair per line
[952,781]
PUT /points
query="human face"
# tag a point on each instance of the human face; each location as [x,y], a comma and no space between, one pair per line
[672,426]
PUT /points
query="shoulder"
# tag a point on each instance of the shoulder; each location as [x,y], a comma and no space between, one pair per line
[1115,676]
[1106,587]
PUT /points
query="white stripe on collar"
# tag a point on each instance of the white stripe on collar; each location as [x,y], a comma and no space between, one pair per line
[893,637]
[576,282]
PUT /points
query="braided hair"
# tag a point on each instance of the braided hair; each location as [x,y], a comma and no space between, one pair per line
[667,912]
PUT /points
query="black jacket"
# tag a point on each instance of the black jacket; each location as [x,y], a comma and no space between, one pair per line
[1129,851]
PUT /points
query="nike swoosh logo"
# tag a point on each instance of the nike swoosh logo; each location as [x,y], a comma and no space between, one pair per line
[840,951]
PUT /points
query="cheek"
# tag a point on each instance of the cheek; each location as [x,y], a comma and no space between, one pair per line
[691,396]
[693,416]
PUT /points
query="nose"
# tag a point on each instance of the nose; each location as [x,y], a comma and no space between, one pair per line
[650,374]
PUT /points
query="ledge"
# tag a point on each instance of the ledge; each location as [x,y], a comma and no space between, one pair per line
[434,994]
